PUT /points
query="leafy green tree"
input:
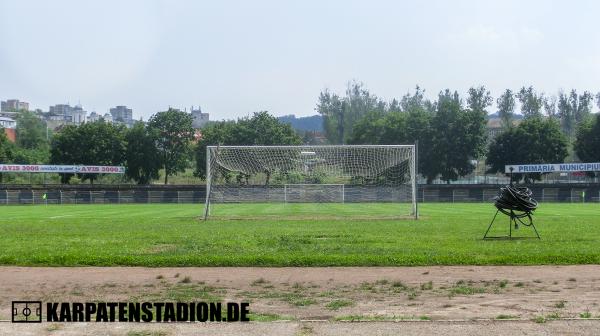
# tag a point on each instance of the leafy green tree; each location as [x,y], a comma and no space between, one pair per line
[407,123]
[565,113]
[449,138]
[340,113]
[419,112]
[587,142]
[31,146]
[392,128]
[535,140]
[370,129]
[573,110]
[550,107]
[64,149]
[417,100]
[265,129]
[174,135]
[396,128]
[101,144]
[458,137]
[582,106]
[531,102]
[331,108]
[217,133]
[31,156]
[96,143]
[479,99]
[506,108]
[261,129]
[401,123]
[6,149]
[394,106]
[31,131]
[142,160]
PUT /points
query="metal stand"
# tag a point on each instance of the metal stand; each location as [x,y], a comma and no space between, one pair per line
[515,219]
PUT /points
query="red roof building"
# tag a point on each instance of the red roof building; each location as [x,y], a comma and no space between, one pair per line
[9,126]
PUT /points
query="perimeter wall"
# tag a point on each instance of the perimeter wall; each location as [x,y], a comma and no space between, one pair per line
[117,194]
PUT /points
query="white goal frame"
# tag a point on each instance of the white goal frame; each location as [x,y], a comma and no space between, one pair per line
[412,168]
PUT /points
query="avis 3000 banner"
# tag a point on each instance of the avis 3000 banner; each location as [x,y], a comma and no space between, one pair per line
[22,168]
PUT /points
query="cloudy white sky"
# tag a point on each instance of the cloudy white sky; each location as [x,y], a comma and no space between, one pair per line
[236,57]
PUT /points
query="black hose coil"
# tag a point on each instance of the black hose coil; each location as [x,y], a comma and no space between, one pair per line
[513,199]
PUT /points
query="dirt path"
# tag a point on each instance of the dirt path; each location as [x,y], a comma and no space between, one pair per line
[486,296]
[500,328]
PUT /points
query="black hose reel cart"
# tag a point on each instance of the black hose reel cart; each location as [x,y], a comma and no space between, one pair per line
[517,204]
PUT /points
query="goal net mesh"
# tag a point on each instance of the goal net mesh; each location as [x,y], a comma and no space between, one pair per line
[315,181]
[321,193]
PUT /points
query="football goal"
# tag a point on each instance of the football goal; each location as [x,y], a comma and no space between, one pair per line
[337,181]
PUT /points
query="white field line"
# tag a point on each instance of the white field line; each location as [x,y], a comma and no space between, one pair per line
[53,217]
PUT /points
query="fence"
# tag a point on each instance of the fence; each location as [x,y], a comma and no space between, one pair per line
[124,194]
[8,197]
[486,193]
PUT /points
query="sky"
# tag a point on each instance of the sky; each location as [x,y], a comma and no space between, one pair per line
[236,57]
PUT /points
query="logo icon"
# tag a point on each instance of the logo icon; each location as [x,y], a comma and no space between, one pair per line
[27,311]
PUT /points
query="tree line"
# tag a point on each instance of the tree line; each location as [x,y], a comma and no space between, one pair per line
[163,143]
[32,145]
[452,133]
[168,142]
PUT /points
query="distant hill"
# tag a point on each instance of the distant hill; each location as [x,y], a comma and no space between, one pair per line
[315,122]
[311,123]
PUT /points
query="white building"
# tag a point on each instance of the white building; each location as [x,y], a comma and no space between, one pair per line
[8,123]
[93,117]
[10,128]
[108,118]
[14,105]
[78,117]
[122,114]
[70,114]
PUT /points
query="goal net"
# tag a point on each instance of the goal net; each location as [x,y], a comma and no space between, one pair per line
[320,193]
[362,181]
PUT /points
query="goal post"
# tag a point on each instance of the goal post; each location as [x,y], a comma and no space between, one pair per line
[362,181]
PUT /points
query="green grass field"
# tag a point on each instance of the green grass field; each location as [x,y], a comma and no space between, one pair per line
[173,235]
